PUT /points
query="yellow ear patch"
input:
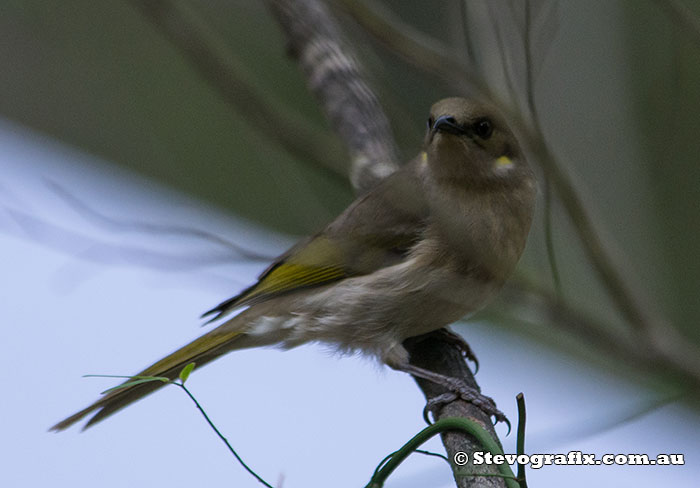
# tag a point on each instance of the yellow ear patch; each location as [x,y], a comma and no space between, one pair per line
[504,161]
[423,157]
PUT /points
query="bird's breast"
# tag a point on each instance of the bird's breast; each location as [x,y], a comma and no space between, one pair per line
[481,233]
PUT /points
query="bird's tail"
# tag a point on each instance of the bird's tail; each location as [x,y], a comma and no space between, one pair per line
[225,338]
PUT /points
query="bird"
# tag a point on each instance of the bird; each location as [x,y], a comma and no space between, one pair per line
[429,244]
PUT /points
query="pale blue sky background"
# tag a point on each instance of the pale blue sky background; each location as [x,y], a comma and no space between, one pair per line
[77,299]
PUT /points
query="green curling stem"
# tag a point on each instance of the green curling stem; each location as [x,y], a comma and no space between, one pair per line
[451,423]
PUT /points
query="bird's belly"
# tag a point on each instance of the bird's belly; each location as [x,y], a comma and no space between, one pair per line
[376,312]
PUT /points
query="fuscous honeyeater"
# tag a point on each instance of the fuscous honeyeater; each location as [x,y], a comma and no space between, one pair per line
[431,243]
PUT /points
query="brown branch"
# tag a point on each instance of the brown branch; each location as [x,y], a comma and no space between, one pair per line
[431,352]
[335,78]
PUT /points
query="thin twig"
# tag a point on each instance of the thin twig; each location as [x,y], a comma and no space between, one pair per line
[529,71]
[652,357]
[537,127]
[90,248]
[472,58]
[414,46]
[500,42]
[549,237]
[217,65]
[113,223]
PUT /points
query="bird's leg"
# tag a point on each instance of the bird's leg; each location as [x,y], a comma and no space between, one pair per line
[457,389]
[463,346]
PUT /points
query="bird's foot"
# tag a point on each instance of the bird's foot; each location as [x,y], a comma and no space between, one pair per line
[461,391]
[457,389]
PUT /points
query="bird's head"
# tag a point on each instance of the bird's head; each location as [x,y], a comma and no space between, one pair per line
[469,142]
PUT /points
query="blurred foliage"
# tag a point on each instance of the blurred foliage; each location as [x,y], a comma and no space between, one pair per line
[97,75]
[615,89]
[664,72]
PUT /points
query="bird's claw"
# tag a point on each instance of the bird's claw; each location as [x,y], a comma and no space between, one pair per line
[435,403]
[468,394]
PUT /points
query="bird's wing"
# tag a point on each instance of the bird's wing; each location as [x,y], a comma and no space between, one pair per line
[375,231]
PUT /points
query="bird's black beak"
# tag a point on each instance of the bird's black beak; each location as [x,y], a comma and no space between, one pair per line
[447,123]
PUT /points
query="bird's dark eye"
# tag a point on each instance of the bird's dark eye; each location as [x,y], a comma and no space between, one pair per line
[430,123]
[483,128]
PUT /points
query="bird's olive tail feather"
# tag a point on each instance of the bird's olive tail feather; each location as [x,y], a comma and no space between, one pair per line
[210,346]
